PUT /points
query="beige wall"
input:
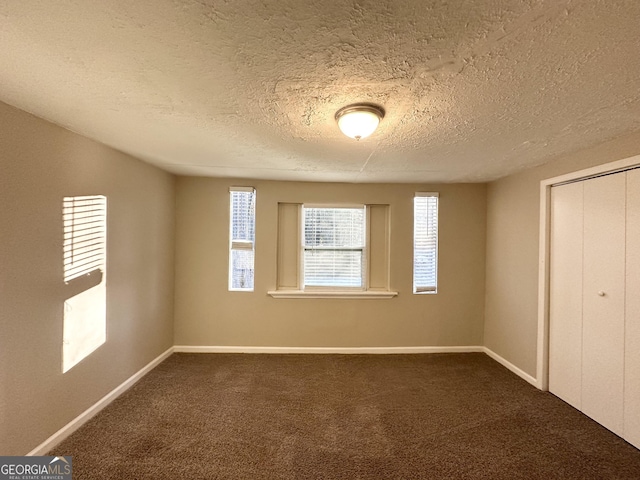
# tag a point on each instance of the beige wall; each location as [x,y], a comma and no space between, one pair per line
[208,314]
[513,209]
[41,163]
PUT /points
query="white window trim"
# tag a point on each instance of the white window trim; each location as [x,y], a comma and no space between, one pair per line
[318,290]
[84,247]
[239,244]
[368,294]
[426,290]
[363,292]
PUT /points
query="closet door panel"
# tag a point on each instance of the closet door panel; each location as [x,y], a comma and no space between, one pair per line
[632,313]
[604,300]
[565,300]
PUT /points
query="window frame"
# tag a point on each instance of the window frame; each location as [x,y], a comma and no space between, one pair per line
[84,265]
[364,251]
[85,236]
[428,289]
[241,244]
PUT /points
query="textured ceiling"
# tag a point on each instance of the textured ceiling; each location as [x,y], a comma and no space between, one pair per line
[473,90]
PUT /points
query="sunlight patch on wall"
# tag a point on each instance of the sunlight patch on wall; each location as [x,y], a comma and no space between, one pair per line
[85,255]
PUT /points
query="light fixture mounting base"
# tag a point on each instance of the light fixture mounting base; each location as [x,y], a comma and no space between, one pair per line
[361,107]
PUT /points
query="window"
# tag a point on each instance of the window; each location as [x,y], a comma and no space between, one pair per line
[85,227]
[333,251]
[84,273]
[333,247]
[425,242]
[242,238]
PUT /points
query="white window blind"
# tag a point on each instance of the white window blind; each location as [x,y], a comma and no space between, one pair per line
[333,247]
[242,238]
[85,235]
[425,242]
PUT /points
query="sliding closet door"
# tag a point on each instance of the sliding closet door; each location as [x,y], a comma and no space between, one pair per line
[632,314]
[565,300]
[603,291]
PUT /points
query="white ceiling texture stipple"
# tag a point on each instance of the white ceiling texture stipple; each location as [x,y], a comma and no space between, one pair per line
[473,90]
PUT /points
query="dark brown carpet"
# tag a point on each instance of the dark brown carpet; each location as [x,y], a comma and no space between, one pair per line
[449,416]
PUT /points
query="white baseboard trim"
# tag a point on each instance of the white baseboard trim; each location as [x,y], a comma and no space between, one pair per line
[84,417]
[325,350]
[521,373]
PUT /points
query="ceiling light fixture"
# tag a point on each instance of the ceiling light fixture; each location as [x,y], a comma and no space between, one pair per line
[359,120]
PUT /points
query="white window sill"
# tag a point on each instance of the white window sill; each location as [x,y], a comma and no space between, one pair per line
[331,294]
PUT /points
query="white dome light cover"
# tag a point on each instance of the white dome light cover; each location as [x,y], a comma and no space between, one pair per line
[359,120]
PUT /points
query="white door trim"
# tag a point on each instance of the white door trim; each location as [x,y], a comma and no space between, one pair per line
[542,363]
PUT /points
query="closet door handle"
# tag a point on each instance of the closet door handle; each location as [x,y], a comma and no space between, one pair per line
[601,293]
